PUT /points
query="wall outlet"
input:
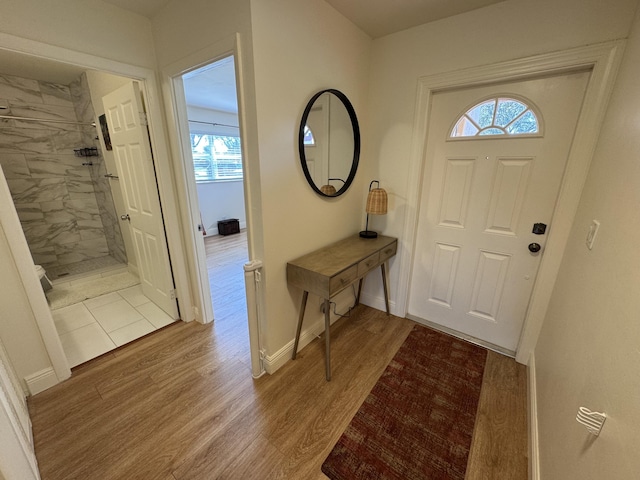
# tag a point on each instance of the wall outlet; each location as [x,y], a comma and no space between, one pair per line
[593,231]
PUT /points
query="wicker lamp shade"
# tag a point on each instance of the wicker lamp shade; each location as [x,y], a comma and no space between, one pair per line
[377,202]
[328,189]
[376,205]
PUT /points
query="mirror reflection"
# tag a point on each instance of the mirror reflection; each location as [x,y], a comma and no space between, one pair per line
[329,143]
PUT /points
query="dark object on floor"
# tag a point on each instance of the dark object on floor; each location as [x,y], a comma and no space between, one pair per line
[417,422]
[228,227]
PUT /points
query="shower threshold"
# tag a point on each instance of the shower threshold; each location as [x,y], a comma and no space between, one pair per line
[85,268]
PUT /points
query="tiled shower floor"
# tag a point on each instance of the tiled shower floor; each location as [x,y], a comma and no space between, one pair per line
[90,266]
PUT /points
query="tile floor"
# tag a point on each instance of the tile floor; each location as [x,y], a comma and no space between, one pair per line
[98,325]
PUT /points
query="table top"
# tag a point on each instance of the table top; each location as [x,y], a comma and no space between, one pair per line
[338,256]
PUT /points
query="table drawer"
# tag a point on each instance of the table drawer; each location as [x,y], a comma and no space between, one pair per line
[368,263]
[388,252]
[343,279]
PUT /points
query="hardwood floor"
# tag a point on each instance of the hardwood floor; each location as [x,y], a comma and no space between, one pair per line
[181,404]
[226,256]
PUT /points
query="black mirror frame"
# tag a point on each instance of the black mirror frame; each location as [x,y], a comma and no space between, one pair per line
[356,141]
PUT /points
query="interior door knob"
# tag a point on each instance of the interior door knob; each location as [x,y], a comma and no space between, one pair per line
[534,247]
[125,217]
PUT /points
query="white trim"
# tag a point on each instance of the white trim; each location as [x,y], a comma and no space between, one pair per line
[534,448]
[604,60]
[271,363]
[40,381]
[163,170]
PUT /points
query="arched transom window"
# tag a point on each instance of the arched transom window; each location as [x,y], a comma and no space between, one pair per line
[500,116]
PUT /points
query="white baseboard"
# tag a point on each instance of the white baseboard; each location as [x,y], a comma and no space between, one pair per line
[273,362]
[377,302]
[534,452]
[40,381]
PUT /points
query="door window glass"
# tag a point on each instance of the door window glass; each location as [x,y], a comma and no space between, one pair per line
[501,116]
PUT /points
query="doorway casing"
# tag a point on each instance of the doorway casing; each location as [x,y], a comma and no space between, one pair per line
[175,103]
[603,60]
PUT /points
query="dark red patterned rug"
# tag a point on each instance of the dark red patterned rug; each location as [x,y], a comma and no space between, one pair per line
[418,420]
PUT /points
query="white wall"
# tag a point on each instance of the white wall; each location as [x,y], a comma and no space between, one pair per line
[89,26]
[221,201]
[18,329]
[508,30]
[299,49]
[588,350]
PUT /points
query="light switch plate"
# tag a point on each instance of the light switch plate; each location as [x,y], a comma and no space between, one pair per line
[593,231]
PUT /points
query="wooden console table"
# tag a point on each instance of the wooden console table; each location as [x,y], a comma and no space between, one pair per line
[331,269]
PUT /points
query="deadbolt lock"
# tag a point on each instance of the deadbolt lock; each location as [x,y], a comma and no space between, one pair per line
[539,228]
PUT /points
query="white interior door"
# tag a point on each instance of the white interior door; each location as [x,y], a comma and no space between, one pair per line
[473,271]
[132,150]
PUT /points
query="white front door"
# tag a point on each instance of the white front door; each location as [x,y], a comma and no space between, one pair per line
[473,271]
[132,150]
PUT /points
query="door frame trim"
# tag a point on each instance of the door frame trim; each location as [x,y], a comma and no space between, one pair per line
[175,108]
[603,60]
[162,162]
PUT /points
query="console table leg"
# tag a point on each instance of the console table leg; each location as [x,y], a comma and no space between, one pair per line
[359,291]
[302,308]
[384,284]
[327,337]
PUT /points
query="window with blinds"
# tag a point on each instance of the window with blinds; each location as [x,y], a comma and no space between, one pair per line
[216,157]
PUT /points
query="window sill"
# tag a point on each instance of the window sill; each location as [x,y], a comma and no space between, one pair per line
[231,180]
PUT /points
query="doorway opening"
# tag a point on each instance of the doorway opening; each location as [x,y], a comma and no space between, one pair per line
[214,170]
[66,188]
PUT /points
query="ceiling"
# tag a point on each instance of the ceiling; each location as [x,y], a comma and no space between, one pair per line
[26,66]
[375,17]
[213,87]
[378,18]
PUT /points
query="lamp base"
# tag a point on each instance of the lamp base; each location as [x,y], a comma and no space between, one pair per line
[368,234]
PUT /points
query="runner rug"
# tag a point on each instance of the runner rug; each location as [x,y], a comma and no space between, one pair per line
[417,422]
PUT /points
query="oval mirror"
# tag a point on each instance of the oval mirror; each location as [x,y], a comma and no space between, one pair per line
[329,143]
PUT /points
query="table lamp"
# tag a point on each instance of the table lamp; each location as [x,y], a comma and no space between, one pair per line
[376,205]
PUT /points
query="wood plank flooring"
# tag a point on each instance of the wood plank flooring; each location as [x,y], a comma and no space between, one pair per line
[181,404]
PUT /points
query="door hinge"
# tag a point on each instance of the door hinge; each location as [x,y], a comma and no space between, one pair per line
[258,276]
[143,119]
[172,294]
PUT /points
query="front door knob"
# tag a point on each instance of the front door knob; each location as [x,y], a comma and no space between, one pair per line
[534,247]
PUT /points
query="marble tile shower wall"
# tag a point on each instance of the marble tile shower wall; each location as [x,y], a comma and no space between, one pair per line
[52,190]
[81,98]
